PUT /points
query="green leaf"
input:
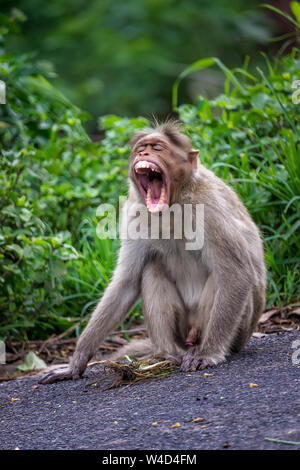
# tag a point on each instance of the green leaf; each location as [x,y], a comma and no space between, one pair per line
[280,12]
[295,7]
[281,441]
[227,102]
[16,248]
[259,100]
[200,65]
[59,268]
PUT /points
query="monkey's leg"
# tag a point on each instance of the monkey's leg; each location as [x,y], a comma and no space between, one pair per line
[164,313]
[253,311]
[230,301]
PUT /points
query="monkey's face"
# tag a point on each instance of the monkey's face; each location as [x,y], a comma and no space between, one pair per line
[158,169]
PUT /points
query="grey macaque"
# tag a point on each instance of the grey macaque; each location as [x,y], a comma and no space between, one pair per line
[199,305]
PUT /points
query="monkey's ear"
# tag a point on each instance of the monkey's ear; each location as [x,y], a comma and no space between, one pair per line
[193,154]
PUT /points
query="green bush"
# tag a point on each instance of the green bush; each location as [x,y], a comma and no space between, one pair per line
[51,178]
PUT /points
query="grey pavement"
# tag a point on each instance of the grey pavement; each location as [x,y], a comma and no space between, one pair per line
[67,415]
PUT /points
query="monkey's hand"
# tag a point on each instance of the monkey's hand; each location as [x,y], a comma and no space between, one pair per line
[61,373]
[194,359]
[73,371]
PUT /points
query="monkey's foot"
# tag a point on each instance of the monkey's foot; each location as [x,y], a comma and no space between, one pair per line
[194,360]
[177,360]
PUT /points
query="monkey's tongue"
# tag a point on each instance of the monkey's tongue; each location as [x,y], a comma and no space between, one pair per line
[156,187]
[156,196]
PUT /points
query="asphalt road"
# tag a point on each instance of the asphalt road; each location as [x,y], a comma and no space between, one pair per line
[67,415]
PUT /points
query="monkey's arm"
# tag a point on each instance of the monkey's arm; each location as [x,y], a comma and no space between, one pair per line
[116,302]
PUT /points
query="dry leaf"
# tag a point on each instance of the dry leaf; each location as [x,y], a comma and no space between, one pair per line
[226,445]
[155,423]
[265,316]
[134,372]
[256,334]
[251,385]
[14,399]
[198,420]
[176,425]
[207,375]
[294,311]
[115,422]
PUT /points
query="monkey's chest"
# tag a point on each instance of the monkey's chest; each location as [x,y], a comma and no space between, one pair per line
[187,272]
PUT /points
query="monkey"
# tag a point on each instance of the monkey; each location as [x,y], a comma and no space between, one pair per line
[199,305]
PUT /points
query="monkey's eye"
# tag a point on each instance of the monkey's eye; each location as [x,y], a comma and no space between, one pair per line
[141,148]
[157,147]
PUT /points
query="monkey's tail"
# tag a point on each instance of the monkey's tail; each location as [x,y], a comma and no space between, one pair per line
[138,348]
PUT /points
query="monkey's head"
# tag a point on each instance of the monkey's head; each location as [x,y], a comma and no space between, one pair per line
[162,161]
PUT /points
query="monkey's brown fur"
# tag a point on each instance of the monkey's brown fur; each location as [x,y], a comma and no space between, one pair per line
[198,305]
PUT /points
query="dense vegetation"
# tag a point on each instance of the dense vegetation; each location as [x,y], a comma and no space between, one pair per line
[53,267]
[123,56]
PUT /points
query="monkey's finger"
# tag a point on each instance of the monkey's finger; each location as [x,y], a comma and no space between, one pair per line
[182,367]
[56,376]
[196,363]
[191,360]
[50,378]
[187,360]
[206,362]
[186,365]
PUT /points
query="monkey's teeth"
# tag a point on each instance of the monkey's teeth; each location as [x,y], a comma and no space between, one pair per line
[162,195]
[145,164]
[156,206]
[148,198]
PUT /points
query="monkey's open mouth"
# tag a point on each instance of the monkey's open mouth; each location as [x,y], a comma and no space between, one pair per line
[153,184]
